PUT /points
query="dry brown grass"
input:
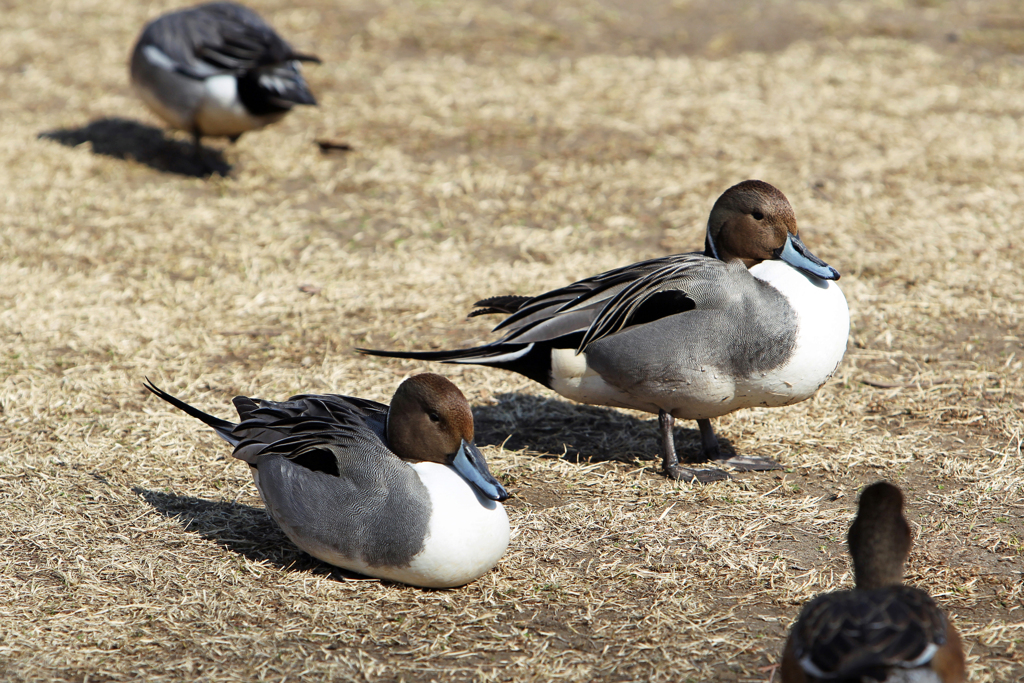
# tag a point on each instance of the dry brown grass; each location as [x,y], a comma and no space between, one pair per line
[501,148]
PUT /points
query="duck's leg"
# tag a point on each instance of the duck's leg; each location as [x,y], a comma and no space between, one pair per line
[670,462]
[708,440]
[712,452]
[199,152]
[206,163]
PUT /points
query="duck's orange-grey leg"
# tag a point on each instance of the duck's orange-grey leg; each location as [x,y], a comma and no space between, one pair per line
[712,451]
[670,462]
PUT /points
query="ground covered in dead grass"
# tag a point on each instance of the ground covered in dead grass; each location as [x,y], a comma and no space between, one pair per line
[501,148]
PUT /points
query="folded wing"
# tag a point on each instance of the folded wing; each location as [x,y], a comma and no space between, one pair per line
[587,311]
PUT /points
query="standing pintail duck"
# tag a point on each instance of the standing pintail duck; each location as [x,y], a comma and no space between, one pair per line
[399,493]
[754,320]
[881,630]
[217,69]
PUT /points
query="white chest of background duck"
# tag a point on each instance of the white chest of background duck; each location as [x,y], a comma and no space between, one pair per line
[754,320]
[399,492]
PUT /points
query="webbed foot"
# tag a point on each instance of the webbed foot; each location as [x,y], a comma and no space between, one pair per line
[702,476]
[747,463]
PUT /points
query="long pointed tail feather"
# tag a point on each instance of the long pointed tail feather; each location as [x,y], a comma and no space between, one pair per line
[529,359]
[222,427]
[482,355]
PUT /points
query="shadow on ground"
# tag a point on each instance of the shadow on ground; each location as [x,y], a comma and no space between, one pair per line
[240,528]
[126,139]
[578,433]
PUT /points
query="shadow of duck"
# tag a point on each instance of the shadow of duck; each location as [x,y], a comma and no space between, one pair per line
[575,432]
[126,139]
[242,529]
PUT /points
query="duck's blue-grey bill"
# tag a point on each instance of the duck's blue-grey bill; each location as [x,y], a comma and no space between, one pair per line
[470,463]
[797,255]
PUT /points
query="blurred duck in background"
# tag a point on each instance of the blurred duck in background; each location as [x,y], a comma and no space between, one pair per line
[217,69]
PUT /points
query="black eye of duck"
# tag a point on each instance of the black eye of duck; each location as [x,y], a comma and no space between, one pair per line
[757,215]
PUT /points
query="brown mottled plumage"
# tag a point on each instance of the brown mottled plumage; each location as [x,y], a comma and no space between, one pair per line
[881,630]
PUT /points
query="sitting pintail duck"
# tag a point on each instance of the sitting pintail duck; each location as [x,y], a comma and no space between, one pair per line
[881,630]
[754,320]
[399,493]
[217,69]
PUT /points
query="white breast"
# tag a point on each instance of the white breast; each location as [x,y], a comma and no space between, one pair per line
[468,533]
[823,326]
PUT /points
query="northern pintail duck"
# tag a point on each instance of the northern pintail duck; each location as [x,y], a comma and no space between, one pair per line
[399,492]
[217,69]
[881,630]
[754,320]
